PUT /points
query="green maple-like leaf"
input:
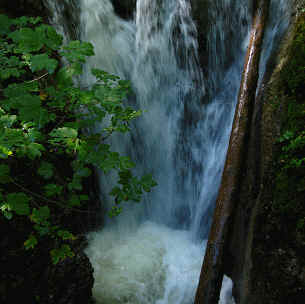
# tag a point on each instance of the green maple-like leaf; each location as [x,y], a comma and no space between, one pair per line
[53,189]
[43,62]
[77,51]
[26,41]
[61,253]
[31,242]
[40,215]
[19,202]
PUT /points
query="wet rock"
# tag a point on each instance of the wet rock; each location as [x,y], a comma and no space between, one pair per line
[125,9]
[69,282]
[30,275]
[23,7]
[266,249]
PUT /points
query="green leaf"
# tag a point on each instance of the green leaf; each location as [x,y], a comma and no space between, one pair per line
[8,215]
[46,170]
[5,24]
[30,109]
[63,133]
[35,20]
[10,72]
[15,90]
[31,242]
[43,62]
[75,69]
[77,51]
[83,172]
[52,39]
[22,21]
[148,182]
[6,121]
[64,77]
[4,174]
[66,235]
[33,134]
[34,150]
[84,197]
[5,208]
[42,229]
[61,253]
[27,40]
[65,137]
[115,211]
[126,163]
[74,201]
[19,202]
[5,152]
[75,184]
[41,215]
[52,190]
[104,76]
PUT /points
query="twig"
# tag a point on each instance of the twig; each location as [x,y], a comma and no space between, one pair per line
[48,200]
[38,78]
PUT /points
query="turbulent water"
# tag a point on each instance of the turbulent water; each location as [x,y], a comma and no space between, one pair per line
[152,253]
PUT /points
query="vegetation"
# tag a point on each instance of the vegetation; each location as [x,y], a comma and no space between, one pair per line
[49,139]
[290,182]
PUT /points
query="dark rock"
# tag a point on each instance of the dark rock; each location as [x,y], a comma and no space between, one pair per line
[125,9]
[266,253]
[30,275]
[69,282]
[19,8]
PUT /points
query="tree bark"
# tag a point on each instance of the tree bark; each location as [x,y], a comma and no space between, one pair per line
[213,266]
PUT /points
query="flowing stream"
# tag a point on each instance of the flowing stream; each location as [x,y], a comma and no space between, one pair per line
[152,253]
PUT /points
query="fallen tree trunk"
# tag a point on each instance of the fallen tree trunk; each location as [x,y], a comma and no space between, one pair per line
[212,269]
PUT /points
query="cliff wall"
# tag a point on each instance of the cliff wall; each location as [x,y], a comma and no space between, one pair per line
[264,255]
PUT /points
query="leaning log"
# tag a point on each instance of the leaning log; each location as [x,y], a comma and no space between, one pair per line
[212,271]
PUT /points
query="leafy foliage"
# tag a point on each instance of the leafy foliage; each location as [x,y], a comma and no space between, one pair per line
[45,119]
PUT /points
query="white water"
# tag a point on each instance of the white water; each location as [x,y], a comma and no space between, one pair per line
[279,17]
[152,253]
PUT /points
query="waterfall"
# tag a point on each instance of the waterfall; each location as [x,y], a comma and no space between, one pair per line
[152,253]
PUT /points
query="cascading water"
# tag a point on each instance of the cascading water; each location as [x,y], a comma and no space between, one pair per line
[152,253]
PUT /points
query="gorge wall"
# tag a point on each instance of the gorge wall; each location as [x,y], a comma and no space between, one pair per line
[264,255]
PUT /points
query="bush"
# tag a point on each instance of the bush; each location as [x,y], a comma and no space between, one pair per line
[48,140]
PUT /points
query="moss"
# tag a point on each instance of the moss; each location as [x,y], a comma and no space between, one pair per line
[278,259]
[289,194]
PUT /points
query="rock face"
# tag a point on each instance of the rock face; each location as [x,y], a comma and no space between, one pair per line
[23,7]
[30,275]
[264,257]
[125,9]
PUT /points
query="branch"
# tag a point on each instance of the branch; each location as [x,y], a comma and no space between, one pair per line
[46,199]
[35,79]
